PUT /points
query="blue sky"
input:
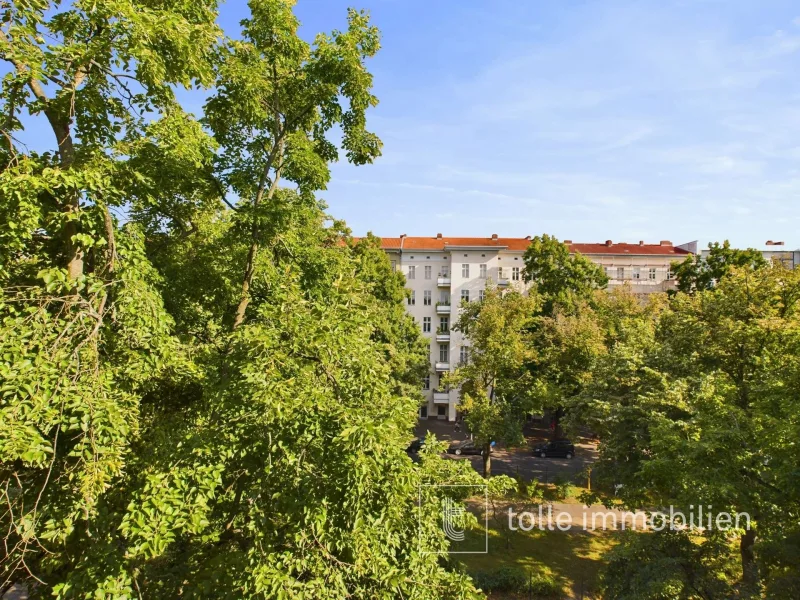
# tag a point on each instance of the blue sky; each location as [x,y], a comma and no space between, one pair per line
[589,120]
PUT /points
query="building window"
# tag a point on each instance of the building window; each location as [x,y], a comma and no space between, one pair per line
[483,271]
[426,297]
[444,325]
[669,275]
[636,272]
[499,272]
[515,273]
[444,298]
[620,273]
[465,270]
[481,295]
[445,272]
[652,274]
[444,352]
[394,265]
[426,324]
[426,383]
[465,295]
[463,355]
[412,272]
[428,269]
[412,298]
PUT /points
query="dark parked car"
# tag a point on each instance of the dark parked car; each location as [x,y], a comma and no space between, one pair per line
[562,448]
[465,447]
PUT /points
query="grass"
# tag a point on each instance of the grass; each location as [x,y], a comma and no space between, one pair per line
[573,558]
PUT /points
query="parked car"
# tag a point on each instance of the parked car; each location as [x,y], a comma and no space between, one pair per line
[562,448]
[465,447]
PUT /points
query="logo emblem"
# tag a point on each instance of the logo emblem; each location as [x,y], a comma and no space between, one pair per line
[452,520]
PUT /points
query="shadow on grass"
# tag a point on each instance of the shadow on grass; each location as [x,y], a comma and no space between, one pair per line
[574,558]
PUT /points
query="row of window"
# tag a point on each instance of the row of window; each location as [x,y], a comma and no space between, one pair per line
[444,272]
[444,297]
[636,273]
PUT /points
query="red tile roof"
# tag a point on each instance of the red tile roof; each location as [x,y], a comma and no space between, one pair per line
[520,244]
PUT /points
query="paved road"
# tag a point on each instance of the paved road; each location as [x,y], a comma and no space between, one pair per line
[513,461]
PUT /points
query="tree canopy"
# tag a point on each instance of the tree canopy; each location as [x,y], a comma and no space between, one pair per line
[697,272]
[212,396]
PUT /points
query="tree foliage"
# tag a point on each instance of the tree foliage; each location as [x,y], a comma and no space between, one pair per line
[695,405]
[561,278]
[697,272]
[496,388]
[154,442]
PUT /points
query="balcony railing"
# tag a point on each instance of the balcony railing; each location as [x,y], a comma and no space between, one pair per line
[443,365]
[502,281]
[443,280]
[442,335]
[442,309]
[441,396]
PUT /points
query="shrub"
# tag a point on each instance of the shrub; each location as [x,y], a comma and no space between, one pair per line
[511,579]
[563,488]
[504,579]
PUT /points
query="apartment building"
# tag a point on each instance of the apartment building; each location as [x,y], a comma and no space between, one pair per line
[441,272]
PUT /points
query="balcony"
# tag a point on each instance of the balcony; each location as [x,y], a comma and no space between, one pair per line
[442,309]
[442,335]
[502,282]
[443,281]
[442,365]
[441,396]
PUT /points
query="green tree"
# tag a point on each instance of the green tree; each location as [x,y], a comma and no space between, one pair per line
[565,336]
[695,407]
[147,448]
[277,100]
[84,330]
[696,272]
[496,388]
[561,278]
[668,564]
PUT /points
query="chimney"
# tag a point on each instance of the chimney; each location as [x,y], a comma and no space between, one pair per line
[609,242]
[665,243]
[494,236]
[402,235]
[770,243]
[641,242]
[779,243]
[438,236]
[567,241]
[527,237]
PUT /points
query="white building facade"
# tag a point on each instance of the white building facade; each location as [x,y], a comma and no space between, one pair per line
[441,272]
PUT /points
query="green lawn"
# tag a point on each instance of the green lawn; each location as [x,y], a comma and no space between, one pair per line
[572,558]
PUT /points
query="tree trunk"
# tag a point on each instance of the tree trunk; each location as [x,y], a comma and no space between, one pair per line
[487,460]
[749,566]
[558,433]
[252,253]
[72,207]
[60,124]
